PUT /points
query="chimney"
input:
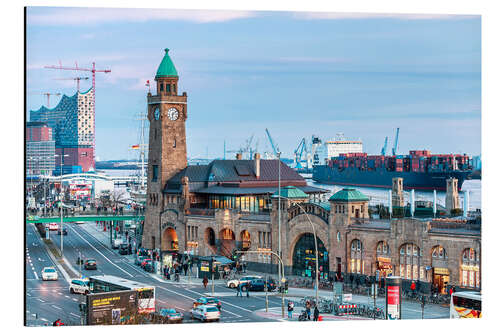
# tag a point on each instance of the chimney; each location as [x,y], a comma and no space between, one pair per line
[256,162]
[238,156]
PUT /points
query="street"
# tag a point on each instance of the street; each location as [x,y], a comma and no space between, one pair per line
[49,300]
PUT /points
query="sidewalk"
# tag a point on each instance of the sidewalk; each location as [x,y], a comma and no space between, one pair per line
[275,313]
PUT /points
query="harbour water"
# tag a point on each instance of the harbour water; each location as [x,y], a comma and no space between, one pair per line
[376,195]
[380,196]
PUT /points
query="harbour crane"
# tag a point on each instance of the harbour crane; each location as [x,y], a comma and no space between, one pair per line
[77,79]
[384,148]
[275,147]
[394,150]
[298,154]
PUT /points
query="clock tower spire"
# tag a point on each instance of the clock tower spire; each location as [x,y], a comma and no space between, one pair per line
[167,114]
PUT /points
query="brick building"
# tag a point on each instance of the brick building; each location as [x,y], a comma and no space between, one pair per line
[40,149]
[231,205]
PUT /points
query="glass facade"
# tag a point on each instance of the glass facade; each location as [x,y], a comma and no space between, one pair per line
[304,258]
[252,204]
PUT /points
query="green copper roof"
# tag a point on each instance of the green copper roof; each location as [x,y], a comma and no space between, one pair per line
[166,68]
[291,192]
[349,194]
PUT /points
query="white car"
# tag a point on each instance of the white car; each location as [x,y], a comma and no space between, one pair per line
[79,286]
[235,283]
[79,222]
[53,226]
[206,313]
[49,273]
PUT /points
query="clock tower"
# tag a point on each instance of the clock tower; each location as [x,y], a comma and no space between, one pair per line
[167,114]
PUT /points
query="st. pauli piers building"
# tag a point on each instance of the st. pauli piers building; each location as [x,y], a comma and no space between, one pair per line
[231,205]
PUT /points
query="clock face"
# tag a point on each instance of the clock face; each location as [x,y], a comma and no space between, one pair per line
[157,113]
[173,114]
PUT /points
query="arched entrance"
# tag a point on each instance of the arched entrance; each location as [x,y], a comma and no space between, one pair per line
[169,240]
[227,242]
[245,240]
[210,236]
[304,258]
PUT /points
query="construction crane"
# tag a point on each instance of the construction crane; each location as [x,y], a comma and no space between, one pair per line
[48,94]
[394,150]
[275,147]
[384,148]
[77,79]
[93,71]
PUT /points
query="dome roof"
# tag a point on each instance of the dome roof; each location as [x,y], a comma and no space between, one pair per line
[348,194]
[291,192]
[166,68]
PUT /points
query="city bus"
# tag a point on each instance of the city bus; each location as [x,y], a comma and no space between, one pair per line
[107,283]
[465,304]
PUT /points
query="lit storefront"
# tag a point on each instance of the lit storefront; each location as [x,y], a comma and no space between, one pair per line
[304,258]
[470,269]
[383,264]
[440,271]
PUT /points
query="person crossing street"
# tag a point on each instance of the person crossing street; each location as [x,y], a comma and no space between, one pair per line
[316,313]
[238,291]
[290,310]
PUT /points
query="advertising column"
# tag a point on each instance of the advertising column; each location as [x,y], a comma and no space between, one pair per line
[393,297]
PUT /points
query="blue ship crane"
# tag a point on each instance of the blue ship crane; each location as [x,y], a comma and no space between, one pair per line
[274,146]
[384,148]
[298,153]
[394,149]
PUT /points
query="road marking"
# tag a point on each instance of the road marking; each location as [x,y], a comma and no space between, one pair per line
[55,306]
[71,313]
[43,319]
[236,306]
[74,299]
[36,275]
[28,294]
[66,296]
[102,254]
[41,300]
[234,314]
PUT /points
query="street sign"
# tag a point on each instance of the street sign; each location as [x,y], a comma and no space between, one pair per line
[347,297]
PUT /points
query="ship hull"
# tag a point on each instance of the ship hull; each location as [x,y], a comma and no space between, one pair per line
[426,181]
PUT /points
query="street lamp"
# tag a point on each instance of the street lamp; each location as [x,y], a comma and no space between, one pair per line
[279,212]
[315,248]
[61,200]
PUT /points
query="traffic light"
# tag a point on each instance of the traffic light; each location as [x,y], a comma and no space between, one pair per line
[286,287]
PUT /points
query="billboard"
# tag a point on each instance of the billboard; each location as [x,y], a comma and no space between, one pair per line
[112,308]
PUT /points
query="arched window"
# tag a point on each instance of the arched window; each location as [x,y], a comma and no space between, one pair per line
[383,248]
[470,268]
[410,262]
[438,252]
[357,263]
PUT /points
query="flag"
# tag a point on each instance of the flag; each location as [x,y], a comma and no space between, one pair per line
[135,147]
[147,83]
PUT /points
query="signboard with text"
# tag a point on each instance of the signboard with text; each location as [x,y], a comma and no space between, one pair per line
[393,298]
[112,308]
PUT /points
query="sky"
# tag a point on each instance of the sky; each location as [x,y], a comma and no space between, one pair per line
[295,73]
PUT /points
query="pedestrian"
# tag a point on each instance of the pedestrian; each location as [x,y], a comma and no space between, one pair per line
[308,310]
[248,288]
[205,282]
[290,310]
[316,313]
[238,290]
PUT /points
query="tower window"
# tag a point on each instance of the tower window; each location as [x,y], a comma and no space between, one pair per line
[173,88]
[168,87]
[154,178]
[161,86]
[175,143]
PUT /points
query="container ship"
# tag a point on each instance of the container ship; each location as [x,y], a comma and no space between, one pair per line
[420,170]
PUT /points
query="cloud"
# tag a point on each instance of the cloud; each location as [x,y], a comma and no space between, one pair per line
[90,16]
[346,16]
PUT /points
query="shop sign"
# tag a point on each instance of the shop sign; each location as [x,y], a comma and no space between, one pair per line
[441,271]
[384,260]
[470,268]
